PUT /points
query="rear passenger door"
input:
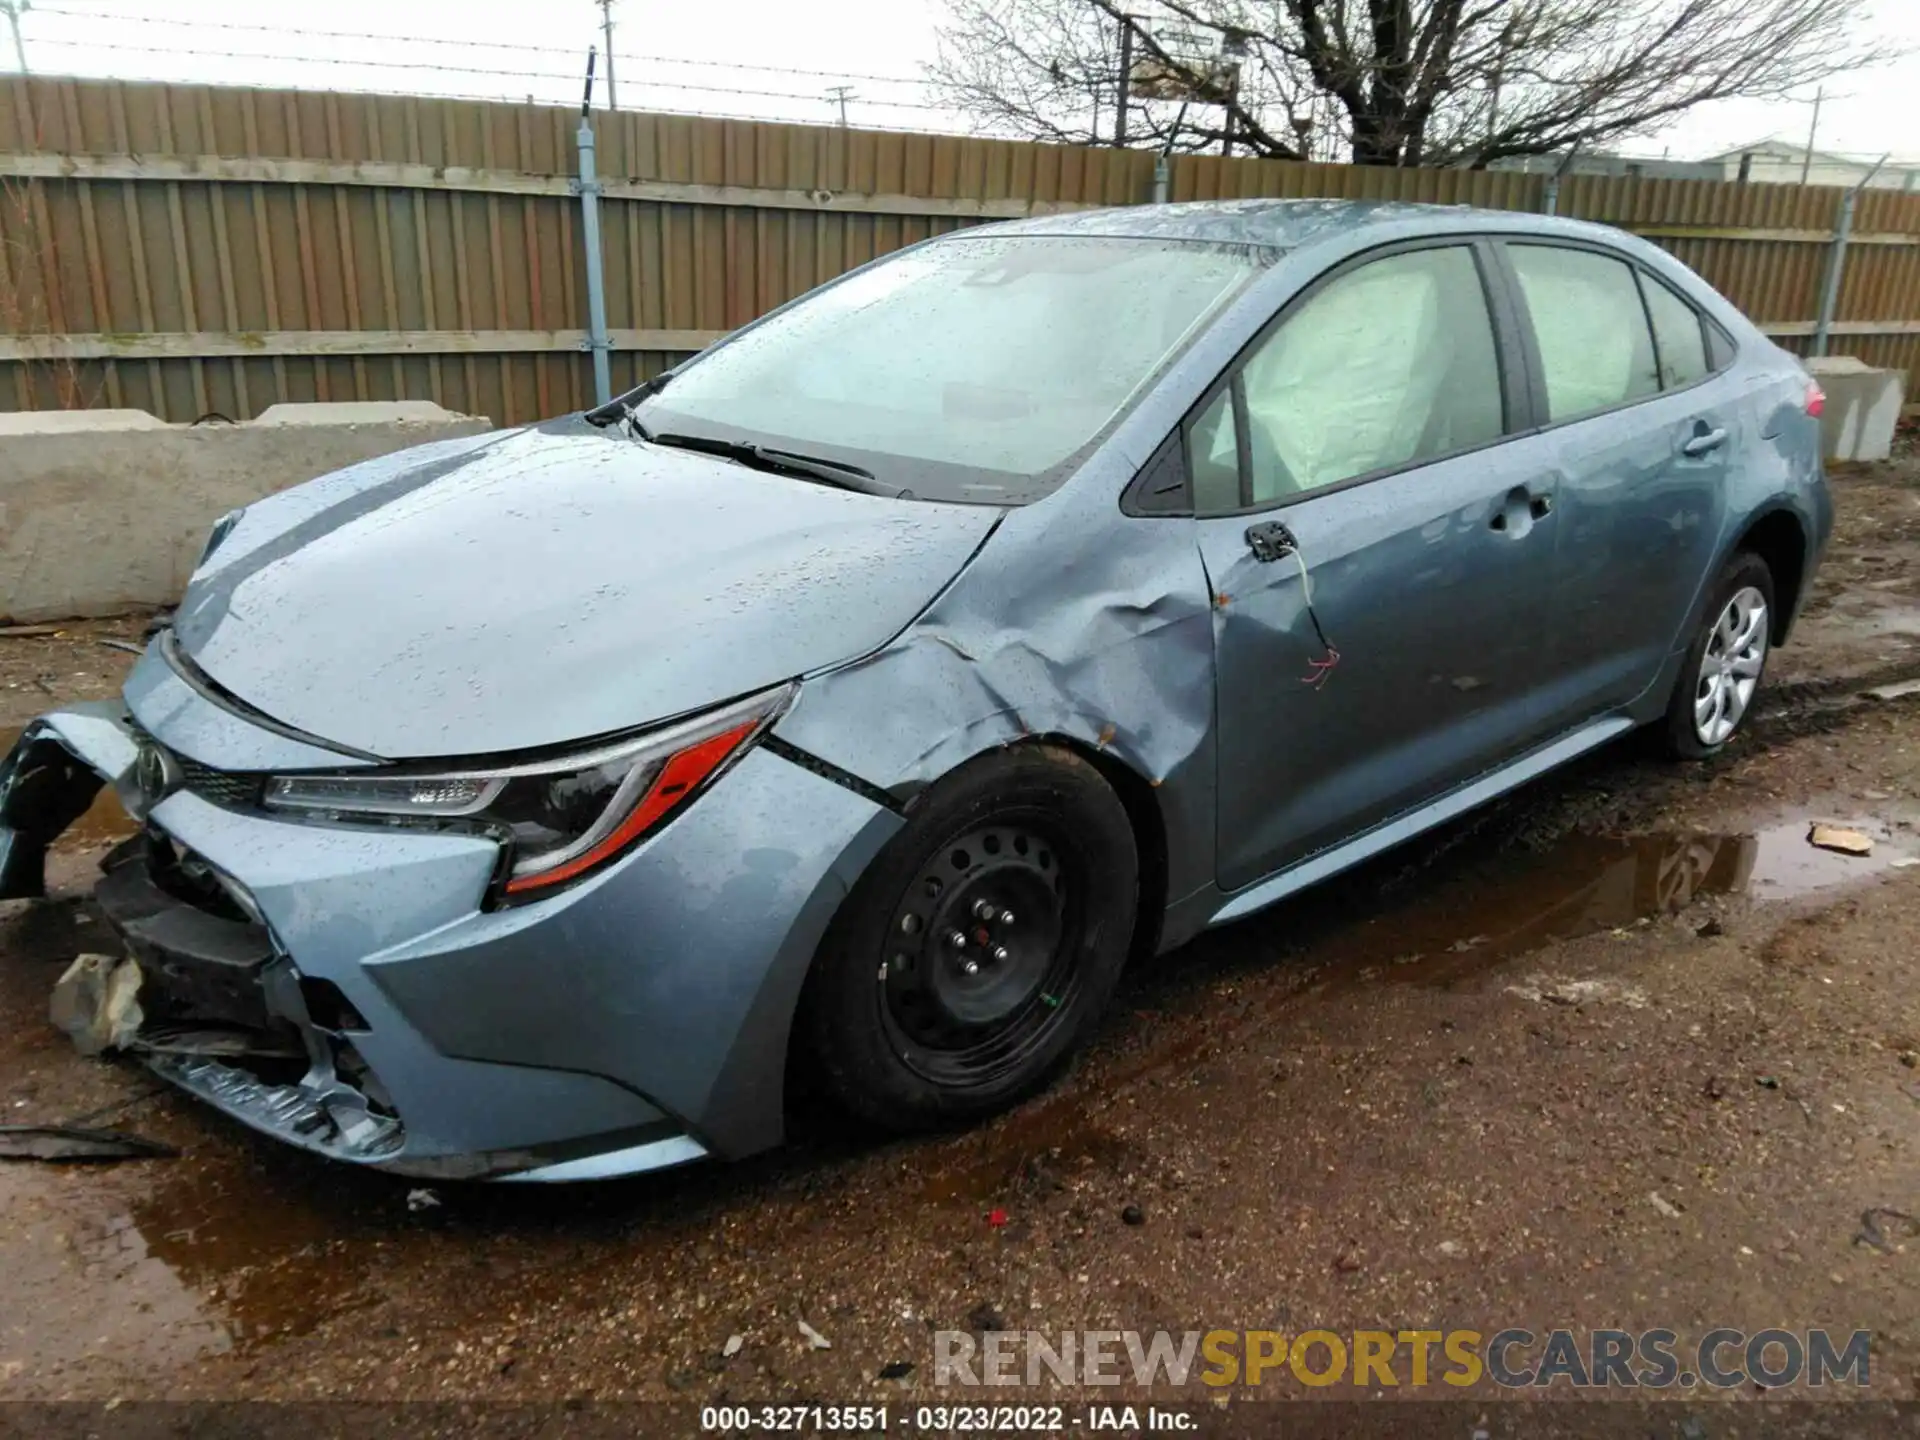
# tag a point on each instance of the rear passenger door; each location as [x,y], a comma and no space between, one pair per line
[1623,373]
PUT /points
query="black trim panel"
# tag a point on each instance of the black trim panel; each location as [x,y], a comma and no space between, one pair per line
[827,770]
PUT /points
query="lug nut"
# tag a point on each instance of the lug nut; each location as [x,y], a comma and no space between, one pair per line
[983,911]
[1000,955]
[1006,917]
[971,967]
[957,939]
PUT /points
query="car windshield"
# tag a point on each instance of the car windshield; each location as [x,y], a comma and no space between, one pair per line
[980,368]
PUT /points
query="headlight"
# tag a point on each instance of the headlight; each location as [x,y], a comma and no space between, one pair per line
[563,817]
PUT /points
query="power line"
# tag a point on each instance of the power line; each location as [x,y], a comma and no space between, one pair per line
[181,22]
[436,67]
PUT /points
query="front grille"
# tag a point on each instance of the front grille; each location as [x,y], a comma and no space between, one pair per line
[219,787]
[229,789]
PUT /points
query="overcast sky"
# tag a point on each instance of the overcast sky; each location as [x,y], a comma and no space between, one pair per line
[773,59]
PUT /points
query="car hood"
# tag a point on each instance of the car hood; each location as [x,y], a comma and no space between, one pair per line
[540,586]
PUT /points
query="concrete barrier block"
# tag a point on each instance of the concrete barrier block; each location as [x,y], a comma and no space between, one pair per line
[102,512]
[357,412]
[1863,406]
[73,422]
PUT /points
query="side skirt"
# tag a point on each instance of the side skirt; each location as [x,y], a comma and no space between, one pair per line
[1386,835]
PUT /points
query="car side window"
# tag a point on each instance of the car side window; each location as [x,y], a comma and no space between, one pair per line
[1213,457]
[1595,348]
[1677,335]
[1386,364]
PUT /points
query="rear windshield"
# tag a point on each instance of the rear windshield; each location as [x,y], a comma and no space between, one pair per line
[980,368]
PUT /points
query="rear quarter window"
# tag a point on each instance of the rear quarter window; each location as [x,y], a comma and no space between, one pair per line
[1679,335]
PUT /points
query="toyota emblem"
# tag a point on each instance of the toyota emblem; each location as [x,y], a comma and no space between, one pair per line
[156,773]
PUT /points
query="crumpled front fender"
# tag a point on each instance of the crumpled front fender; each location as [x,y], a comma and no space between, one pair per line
[49,781]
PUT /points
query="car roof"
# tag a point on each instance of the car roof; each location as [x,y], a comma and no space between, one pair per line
[1291,224]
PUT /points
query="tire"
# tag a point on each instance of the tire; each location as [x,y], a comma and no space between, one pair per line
[903,1034]
[1714,695]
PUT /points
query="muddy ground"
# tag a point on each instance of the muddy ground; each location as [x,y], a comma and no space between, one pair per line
[1442,1092]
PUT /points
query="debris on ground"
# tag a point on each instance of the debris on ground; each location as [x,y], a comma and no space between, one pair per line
[1665,1206]
[732,1347]
[1840,840]
[1896,691]
[985,1317]
[97,1003]
[1543,989]
[1133,1215]
[422,1200]
[69,1142]
[896,1370]
[815,1340]
[1872,1234]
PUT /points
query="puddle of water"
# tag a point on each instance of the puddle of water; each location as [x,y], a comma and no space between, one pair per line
[1457,923]
[1786,864]
[94,1295]
[141,1268]
[1864,616]
[1586,884]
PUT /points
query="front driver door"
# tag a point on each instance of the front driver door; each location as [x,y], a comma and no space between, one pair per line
[1381,554]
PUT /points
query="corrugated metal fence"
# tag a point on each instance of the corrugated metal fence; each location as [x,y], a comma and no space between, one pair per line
[193,250]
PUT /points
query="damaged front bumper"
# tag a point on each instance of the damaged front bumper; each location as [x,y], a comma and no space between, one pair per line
[347,990]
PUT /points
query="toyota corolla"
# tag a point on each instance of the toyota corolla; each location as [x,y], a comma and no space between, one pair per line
[867,690]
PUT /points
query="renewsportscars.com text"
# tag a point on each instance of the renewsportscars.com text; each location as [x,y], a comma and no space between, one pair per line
[1512,1358]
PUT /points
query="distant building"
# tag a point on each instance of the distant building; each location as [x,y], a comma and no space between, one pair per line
[1780,162]
[1601,163]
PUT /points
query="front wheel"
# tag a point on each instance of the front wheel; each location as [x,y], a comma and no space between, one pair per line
[979,949]
[1725,663]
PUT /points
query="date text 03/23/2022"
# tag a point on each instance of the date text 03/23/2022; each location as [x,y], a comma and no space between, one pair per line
[945,1419]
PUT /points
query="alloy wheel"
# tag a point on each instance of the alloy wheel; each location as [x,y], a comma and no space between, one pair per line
[1730,667]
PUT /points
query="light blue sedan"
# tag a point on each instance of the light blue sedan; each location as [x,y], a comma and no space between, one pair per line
[867,690]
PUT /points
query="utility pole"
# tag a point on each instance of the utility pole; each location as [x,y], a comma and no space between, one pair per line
[842,94]
[1126,75]
[14,9]
[606,31]
[1806,161]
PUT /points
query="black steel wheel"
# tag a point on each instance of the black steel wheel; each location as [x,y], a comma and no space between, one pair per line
[979,948]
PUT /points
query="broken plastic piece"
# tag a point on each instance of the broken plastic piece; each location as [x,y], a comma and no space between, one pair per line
[68,1142]
[97,1003]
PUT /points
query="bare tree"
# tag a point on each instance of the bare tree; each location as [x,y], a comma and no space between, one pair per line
[1390,82]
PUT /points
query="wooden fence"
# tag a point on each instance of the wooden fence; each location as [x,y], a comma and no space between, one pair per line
[194,250]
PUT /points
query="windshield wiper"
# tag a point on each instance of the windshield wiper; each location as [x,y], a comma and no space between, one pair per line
[625,409]
[837,473]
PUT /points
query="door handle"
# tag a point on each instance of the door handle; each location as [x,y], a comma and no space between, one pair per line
[1515,514]
[1704,442]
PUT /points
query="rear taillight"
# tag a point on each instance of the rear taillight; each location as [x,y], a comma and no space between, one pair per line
[1816,399]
